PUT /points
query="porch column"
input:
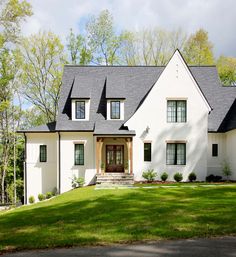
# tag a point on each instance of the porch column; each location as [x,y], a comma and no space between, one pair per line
[99,145]
[130,157]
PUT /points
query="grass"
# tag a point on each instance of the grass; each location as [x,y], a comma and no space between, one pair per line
[90,217]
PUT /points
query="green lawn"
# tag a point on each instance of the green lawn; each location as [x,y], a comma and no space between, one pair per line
[87,216]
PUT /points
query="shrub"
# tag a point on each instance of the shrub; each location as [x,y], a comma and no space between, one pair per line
[31,199]
[213,178]
[77,182]
[178,177]
[54,191]
[226,170]
[48,195]
[41,197]
[149,175]
[164,176]
[192,177]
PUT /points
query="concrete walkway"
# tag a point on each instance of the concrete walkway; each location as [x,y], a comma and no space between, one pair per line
[217,247]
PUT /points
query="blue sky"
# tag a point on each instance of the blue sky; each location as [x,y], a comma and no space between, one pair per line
[216,16]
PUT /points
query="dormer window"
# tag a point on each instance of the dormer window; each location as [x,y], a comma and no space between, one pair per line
[115,110]
[80,110]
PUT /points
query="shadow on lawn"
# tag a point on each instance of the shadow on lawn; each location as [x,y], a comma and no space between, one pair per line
[122,215]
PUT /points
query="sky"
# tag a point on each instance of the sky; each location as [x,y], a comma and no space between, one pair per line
[218,17]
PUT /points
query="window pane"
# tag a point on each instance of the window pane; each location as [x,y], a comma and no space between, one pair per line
[171,111]
[181,111]
[43,153]
[115,110]
[79,154]
[215,150]
[147,152]
[170,154]
[80,110]
[181,153]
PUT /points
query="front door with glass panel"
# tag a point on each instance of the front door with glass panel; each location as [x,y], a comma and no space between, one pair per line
[114,158]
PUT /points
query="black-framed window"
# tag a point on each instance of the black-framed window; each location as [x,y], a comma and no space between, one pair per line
[80,109]
[147,152]
[115,109]
[176,110]
[176,154]
[79,154]
[42,153]
[214,150]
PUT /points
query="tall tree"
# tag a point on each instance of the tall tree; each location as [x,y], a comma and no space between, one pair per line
[43,60]
[12,13]
[78,49]
[102,40]
[227,70]
[198,49]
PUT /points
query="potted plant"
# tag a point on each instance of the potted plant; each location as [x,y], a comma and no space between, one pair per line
[126,166]
[103,167]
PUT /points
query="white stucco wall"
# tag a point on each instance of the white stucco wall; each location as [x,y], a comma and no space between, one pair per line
[174,83]
[214,163]
[41,176]
[231,151]
[68,169]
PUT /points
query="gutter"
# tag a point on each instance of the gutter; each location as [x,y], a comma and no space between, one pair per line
[25,170]
[59,162]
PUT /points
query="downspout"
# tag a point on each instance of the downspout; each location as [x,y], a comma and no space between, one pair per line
[59,164]
[25,170]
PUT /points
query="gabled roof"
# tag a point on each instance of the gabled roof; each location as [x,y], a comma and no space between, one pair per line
[132,83]
[49,127]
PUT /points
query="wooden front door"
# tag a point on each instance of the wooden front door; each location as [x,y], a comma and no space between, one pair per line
[114,158]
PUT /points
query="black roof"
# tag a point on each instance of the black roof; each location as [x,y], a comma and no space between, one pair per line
[133,83]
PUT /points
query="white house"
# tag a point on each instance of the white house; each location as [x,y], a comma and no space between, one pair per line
[176,118]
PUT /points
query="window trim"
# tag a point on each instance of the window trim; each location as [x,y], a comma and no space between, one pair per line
[76,102]
[116,101]
[176,110]
[175,157]
[150,149]
[215,151]
[41,159]
[75,163]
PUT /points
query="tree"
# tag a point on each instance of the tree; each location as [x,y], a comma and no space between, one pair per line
[43,60]
[198,49]
[102,40]
[78,49]
[227,70]
[12,13]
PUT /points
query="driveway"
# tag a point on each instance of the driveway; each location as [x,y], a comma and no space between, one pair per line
[217,247]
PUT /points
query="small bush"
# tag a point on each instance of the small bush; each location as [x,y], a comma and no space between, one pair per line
[77,182]
[31,199]
[164,176]
[48,195]
[213,178]
[149,175]
[178,177]
[192,177]
[226,170]
[54,191]
[41,197]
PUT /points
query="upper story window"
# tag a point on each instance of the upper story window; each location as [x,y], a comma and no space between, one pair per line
[80,110]
[115,109]
[176,111]
[42,153]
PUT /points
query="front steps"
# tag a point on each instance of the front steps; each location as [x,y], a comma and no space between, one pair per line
[115,179]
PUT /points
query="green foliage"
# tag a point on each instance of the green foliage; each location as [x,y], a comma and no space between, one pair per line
[149,175]
[48,195]
[31,199]
[227,70]
[198,49]
[226,170]
[164,176]
[77,182]
[102,165]
[54,191]
[213,178]
[41,197]
[192,177]
[178,177]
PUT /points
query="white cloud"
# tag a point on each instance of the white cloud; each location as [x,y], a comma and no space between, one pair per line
[217,17]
